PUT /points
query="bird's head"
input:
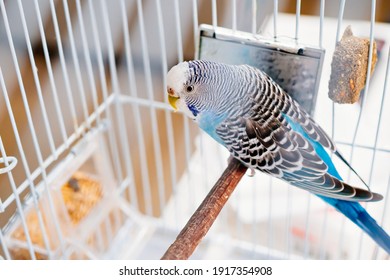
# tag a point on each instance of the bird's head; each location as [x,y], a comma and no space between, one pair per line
[194,87]
[179,87]
[183,91]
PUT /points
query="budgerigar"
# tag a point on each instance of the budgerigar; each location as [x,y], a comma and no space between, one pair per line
[243,109]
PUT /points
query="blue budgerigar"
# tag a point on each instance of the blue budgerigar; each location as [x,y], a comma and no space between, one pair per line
[243,109]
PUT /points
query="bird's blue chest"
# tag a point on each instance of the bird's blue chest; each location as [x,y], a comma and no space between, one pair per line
[208,122]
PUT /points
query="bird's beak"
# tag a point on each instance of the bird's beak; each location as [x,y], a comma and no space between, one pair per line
[172,100]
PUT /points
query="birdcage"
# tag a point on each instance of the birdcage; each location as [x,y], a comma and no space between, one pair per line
[96,165]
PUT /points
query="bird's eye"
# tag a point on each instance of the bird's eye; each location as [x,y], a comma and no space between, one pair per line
[190,88]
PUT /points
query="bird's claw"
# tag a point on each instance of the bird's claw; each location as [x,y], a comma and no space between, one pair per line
[251,172]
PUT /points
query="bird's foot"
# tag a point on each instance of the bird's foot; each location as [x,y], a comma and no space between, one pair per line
[251,172]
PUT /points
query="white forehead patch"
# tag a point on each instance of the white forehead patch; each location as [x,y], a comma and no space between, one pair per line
[177,76]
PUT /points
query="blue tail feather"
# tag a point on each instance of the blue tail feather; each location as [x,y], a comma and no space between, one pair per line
[357,214]
[353,210]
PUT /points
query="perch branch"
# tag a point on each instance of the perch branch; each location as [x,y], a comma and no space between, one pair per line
[203,218]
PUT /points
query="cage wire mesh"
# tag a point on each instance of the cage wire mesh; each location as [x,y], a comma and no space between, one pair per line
[95,165]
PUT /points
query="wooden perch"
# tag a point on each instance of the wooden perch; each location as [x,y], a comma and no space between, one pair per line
[203,218]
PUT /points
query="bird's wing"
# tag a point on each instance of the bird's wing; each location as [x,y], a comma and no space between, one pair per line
[272,97]
[277,149]
[265,138]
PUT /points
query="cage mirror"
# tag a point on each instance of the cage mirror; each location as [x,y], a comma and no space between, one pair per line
[295,67]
